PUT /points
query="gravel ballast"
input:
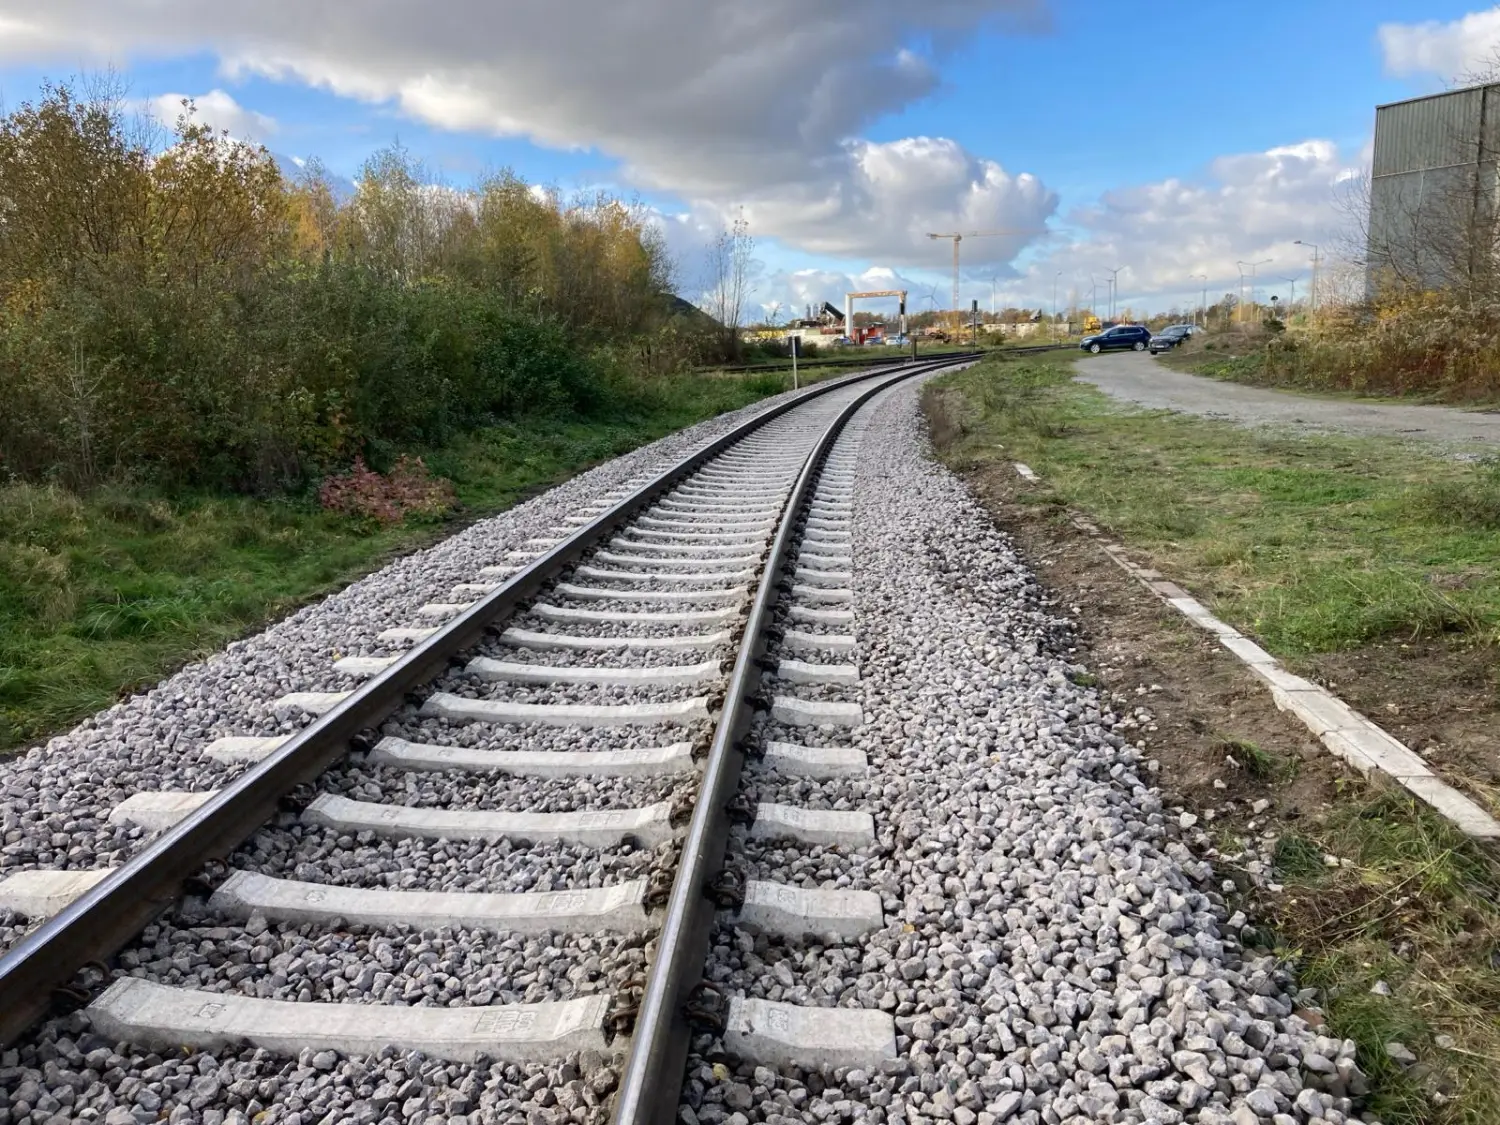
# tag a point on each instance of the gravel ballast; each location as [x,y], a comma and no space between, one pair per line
[1052,954]
[54,799]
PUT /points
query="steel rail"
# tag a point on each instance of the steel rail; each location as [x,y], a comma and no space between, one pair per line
[651,1083]
[813,361]
[100,922]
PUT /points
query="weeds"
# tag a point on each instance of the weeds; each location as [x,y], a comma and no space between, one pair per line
[1258,762]
[1402,940]
[408,490]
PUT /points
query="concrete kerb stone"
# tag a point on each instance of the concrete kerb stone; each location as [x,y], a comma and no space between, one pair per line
[1344,731]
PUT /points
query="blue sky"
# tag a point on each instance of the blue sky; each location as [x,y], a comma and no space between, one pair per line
[1116,133]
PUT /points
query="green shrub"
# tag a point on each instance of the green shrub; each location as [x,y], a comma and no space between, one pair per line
[190,318]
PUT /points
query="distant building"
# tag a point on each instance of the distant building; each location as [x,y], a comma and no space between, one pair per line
[827,321]
[1433,189]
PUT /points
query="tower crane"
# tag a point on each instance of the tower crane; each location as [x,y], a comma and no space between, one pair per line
[958,237]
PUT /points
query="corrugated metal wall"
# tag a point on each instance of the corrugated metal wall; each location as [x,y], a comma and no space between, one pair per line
[1431,132]
[1428,153]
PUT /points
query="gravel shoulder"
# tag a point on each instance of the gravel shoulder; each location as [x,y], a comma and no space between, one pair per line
[1271,810]
[1141,379]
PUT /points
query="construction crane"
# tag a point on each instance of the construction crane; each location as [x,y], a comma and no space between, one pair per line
[959,237]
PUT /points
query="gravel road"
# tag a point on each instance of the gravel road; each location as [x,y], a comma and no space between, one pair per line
[1139,378]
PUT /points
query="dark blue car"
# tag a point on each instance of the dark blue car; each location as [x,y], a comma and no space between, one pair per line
[1121,336]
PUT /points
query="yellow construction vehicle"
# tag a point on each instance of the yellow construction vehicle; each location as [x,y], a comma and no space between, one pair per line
[1091,324]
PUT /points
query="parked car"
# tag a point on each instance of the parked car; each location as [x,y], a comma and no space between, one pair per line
[1169,337]
[1122,336]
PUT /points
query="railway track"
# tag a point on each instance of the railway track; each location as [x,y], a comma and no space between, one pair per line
[707,803]
[582,705]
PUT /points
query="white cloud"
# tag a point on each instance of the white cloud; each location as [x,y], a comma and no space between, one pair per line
[717,101]
[1448,50]
[216,109]
[1249,207]
[797,289]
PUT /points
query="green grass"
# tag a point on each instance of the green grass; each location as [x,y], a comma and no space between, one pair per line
[1414,906]
[1258,762]
[1313,543]
[109,592]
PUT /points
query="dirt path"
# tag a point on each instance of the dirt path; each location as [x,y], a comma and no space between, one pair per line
[1139,378]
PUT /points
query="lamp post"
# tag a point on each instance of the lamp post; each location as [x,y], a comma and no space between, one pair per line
[1292,299]
[1203,304]
[1253,265]
[1055,276]
[993,276]
[1114,289]
[1312,289]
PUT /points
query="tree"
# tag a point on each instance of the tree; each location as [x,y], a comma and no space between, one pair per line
[731,260]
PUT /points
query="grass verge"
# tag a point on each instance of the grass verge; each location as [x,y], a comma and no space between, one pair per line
[1402,941]
[1256,358]
[1400,936]
[103,594]
[1315,543]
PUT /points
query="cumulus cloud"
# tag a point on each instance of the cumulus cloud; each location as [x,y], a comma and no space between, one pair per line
[720,102]
[1248,207]
[795,290]
[1448,49]
[216,109]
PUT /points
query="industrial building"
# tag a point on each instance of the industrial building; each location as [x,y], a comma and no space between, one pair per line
[1433,190]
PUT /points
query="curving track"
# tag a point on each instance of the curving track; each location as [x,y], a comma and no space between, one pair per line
[498,860]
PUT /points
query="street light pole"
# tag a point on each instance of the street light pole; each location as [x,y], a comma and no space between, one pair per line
[1253,265]
[1312,297]
[1241,310]
[1114,290]
[1291,300]
[1055,276]
[1203,304]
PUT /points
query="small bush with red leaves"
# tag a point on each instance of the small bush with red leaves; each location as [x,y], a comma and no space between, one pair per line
[409,489]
